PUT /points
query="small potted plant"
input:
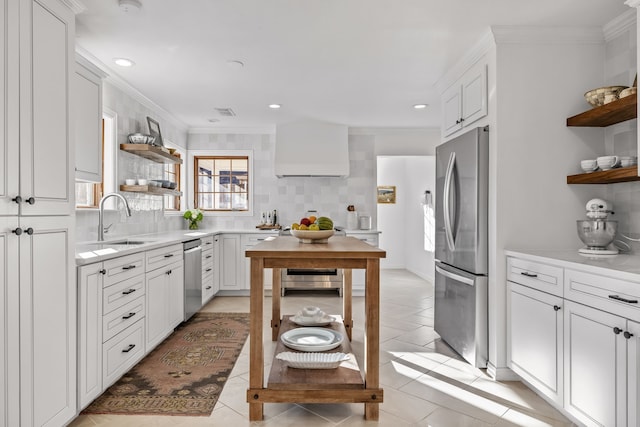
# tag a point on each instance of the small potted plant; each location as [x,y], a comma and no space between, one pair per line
[194,216]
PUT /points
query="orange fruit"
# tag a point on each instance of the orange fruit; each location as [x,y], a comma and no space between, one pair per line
[312,219]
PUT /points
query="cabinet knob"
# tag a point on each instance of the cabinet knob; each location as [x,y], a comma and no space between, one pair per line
[17,199]
[29,231]
[457,122]
[461,119]
[103,271]
[17,231]
[31,201]
[617,330]
[627,334]
[556,307]
[168,272]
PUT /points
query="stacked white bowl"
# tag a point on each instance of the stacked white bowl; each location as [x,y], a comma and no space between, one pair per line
[608,162]
[626,161]
[589,165]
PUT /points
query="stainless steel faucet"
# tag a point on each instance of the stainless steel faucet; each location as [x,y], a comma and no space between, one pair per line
[101,212]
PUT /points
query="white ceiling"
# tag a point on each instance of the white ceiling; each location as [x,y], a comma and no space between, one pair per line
[362,63]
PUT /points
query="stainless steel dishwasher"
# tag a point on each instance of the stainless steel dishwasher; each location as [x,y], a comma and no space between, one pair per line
[192,277]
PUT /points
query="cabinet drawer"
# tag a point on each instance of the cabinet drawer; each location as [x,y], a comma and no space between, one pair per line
[122,352]
[207,242]
[546,278]
[254,239]
[119,269]
[122,293]
[122,318]
[207,257]
[157,258]
[616,296]
[371,240]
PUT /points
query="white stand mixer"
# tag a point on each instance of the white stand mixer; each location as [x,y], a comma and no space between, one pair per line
[597,232]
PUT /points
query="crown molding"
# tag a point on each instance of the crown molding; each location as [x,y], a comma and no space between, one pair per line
[620,24]
[90,66]
[257,130]
[632,3]
[510,34]
[75,5]
[117,81]
[473,55]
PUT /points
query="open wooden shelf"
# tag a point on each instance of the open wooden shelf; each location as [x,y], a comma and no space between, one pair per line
[150,152]
[606,177]
[150,189]
[609,114]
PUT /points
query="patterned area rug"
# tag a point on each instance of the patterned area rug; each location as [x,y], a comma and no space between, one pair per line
[185,374]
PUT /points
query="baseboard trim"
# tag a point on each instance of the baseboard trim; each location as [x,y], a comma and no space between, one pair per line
[501,374]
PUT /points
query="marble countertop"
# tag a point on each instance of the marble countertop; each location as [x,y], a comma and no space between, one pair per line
[621,266]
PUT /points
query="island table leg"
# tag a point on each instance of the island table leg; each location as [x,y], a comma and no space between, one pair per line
[256,349]
[275,304]
[347,303]
[372,334]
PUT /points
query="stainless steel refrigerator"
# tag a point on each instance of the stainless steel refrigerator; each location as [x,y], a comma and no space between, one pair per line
[461,301]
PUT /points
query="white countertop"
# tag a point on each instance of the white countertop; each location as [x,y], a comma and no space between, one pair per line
[90,252]
[621,266]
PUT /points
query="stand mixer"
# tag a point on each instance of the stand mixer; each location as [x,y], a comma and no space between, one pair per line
[597,232]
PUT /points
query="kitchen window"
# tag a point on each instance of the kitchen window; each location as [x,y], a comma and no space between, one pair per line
[221,183]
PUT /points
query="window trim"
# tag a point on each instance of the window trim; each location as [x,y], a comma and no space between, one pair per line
[192,154]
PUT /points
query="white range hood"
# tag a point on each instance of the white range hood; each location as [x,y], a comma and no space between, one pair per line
[312,148]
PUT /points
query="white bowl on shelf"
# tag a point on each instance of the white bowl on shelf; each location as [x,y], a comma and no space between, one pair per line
[142,181]
[130,181]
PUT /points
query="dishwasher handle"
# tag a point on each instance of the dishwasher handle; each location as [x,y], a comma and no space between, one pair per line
[192,250]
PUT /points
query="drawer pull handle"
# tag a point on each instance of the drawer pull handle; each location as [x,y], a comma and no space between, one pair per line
[207,243]
[526,273]
[617,330]
[208,269]
[627,334]
[168,255]
[619,298]
[129,316]
[556,307]
[208,287]
[130,291]
[208,256]
[128,267]
[128,349]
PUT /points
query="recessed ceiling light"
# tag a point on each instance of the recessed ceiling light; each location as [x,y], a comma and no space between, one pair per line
[129,5]
[420,106]
[214,120]
[274,106]
[124,62]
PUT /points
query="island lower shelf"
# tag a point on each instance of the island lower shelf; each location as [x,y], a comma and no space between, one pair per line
[346,376]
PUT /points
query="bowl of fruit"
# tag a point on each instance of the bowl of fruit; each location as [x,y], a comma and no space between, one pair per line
[313,230]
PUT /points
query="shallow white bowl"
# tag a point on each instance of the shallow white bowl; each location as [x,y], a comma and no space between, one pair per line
[312,360]
[142,182]
[130,181]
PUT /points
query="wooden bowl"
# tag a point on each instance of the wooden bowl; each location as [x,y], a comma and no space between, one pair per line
[596,97]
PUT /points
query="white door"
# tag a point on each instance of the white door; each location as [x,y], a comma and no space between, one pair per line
[157,306]
[9,324]
[535,350]
[47,321]
[474,95]
[633,356]
[46,142]
[176,295]
[87,119]
[452,110]
[231,266]
[594,366]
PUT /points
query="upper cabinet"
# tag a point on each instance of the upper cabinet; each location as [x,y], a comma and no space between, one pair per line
[87,110]
[465,101]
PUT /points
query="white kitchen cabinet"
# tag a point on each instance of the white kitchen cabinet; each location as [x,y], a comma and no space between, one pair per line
[231,263]
[358,279]
[208,255]
[164,294]
[595,359]
[87,113]
[216,264]
[465,101]
[633,373]
[103,288]
[47,321]
[249,241]
[536,347]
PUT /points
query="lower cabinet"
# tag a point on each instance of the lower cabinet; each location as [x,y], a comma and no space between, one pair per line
[249,241]
[358,279]
[208,264]
[596,356]
[535,353]
[164,295]
[231,263]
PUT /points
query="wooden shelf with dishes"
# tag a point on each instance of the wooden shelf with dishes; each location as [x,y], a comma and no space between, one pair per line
[617,111]
[150,189]
[151,152]
[606,177]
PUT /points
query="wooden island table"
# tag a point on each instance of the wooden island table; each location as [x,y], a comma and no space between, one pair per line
[339,385]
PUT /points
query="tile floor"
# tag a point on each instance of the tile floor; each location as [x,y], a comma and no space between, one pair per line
[425,383]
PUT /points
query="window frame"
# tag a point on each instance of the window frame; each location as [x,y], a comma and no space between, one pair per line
[221,153]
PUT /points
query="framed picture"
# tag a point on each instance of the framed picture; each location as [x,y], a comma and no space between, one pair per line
[154,130]
[386,194]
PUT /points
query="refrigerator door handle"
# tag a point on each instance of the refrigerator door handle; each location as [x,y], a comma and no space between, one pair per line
[455,276]
[446,202]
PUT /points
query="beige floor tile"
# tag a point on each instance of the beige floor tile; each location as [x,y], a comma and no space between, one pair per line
[443,417]
[516,418]
[386,419]
[406,406]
